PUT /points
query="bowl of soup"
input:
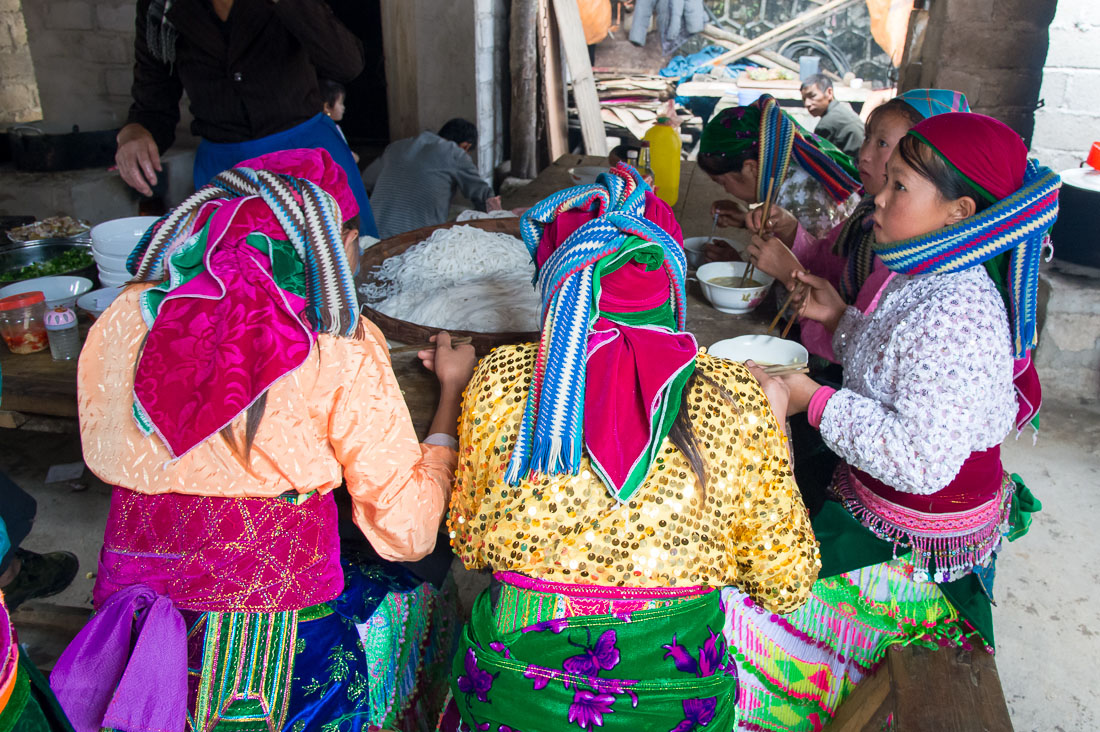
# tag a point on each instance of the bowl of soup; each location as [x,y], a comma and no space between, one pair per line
[722,286]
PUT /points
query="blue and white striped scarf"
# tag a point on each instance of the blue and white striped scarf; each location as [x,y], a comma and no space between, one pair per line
[551,438]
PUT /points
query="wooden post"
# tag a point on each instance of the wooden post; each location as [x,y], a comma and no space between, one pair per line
[553,91]
[584,83]
[399,52]
[523,61]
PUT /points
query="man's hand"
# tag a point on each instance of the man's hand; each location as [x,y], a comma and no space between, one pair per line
[137,158]
[492,204]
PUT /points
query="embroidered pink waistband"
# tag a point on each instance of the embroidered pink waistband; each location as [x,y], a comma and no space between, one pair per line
[209,553]
[945,546]
[603,592]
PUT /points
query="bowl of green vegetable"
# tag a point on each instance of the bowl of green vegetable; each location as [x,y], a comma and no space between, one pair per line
[46,258]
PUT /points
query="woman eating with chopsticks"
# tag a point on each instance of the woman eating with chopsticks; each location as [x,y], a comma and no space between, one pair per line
[225,395]
[614,478]
[844,256]
[758,153]
[936,374]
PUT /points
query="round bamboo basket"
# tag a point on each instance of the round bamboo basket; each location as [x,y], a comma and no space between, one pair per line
[403,330]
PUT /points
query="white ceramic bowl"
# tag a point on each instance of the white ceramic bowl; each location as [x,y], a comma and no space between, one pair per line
[585,174]
[61,290]
[96,301]
[111,279]
[110,262]
[735,300]
[118,238]
[763,349]
[695,249]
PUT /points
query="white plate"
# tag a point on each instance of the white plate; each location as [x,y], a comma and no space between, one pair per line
[96,301]
[762,349]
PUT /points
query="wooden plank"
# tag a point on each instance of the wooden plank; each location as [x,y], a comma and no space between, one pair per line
[780,32]
[400,58]
[951,689]
[523,62]
[767,59]
[555,119]
[36,384]
[865,704]
[568,16]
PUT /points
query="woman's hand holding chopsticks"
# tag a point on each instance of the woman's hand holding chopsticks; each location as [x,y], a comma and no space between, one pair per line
[781,223]
[815,298]
[772,257]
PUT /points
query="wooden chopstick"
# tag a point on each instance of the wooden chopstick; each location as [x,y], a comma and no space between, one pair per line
[797,368]
[751,269]
[787,328]
[783,309]
[456,341]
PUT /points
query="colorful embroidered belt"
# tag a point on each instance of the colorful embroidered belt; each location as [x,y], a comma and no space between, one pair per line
[977,483]
[523,601]
[215,554]
[662,668]
[945,544]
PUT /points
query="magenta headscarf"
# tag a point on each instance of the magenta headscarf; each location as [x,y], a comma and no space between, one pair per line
[223,332]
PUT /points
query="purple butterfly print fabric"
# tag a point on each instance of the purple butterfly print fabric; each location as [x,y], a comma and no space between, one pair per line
[662,668]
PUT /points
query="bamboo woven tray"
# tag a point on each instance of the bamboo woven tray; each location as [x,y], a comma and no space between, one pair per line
[403,330]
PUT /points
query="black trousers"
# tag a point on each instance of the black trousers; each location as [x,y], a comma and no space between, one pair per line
[17,510]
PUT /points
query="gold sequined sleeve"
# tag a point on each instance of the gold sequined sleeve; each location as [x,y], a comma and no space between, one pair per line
[399,487]
[772,543]
[478,439]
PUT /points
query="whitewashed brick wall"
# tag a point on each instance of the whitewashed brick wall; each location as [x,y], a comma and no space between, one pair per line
[1069,121]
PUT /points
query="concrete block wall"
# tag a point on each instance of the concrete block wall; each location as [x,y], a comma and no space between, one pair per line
[1068,356]
[1069,120]
[19,99]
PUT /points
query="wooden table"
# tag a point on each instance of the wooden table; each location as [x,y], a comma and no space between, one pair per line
[35,384]
[697,192]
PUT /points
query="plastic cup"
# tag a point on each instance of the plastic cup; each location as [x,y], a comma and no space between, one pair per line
[1093,159]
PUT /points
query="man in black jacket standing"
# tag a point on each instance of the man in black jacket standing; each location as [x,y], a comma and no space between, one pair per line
[250,69]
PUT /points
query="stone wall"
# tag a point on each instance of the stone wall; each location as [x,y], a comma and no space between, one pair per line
[1069,121]
[991,50]
[19,100]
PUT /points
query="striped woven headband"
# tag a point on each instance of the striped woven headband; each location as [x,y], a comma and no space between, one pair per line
[780,139]
[1016,224]
[308,215]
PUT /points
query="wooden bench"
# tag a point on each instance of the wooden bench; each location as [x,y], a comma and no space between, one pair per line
[919,690]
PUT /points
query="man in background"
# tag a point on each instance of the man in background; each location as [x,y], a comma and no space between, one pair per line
[839,123]
[414,180]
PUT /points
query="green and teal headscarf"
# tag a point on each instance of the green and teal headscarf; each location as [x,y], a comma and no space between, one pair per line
[777,138]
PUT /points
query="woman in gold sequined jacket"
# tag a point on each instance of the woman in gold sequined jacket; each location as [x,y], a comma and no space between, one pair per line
[605,609]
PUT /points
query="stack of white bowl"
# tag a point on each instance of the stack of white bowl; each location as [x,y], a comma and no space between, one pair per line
[112,242]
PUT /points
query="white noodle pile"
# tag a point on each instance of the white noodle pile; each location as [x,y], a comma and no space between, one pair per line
[462,278]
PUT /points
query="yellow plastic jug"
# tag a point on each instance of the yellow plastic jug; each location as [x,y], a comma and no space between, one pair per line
[664,144]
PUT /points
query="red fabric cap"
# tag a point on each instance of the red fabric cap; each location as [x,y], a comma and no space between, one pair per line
[630,288]
[314,165]
[986,150]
